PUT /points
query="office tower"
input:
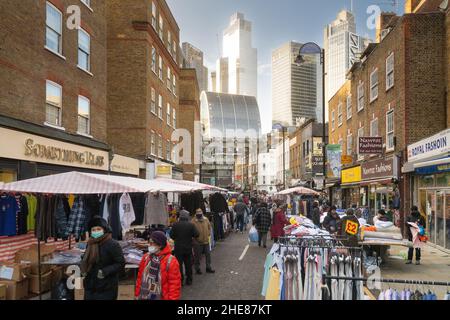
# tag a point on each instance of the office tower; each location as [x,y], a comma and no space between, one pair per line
[296,89]
[194,59]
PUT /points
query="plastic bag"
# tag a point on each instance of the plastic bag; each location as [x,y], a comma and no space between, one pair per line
[253,235]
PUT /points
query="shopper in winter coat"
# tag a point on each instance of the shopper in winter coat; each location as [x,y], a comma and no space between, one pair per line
[330,223]
[159,275]
[418,219]
[316,214]
[201,244]
[240,209]
[278,224]
[348,228]
[262,222]
[102,262]
[183,233]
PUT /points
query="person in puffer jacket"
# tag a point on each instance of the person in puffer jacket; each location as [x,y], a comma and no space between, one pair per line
[159,276]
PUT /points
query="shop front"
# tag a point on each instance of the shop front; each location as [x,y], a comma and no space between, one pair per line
[428,170]
[350,180]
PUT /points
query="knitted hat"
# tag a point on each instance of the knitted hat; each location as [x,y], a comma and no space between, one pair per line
[159,238]
[98,221]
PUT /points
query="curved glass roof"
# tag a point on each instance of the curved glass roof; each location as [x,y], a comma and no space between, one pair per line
[225,115]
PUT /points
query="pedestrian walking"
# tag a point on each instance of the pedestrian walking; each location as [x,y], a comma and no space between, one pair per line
[419,220]
[102,262]
[201,243]
[183,234]
[159,276]
[316,214]
[262,222]
[278,224]
[240,209]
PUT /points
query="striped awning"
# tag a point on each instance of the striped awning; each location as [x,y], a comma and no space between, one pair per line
[88,183]
[299,190]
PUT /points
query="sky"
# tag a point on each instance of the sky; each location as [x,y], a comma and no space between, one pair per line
[202,23]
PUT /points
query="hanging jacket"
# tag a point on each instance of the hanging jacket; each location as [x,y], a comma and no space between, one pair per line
[170,275]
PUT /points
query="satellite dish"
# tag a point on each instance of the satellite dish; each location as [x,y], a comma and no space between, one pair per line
[444,5]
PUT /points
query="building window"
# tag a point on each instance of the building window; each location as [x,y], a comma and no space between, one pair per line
[53,108]
[84,50]
[84,106]
[169,79]
[174,116]
[341,143]
[374,128]
[153,145]
[349,107]
[361,96]
[53,37]
[390,71]
[349,144]
[175,50]
[161,26]
[340,114]
[360,135]
[160,107]
[390,131]
[160,147]
[154,59]
[161,68]
[169,118]
[332,120]
[169,42]
[153,15]
[374,85]
[153,103]
[168,150]
[174,89]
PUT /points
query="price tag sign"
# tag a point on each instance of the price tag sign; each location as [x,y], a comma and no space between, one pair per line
[351,227]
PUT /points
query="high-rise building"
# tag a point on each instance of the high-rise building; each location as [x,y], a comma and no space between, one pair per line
[222,75]
[241,77]
[213,81]
[193,58]
[296,89]
[343,47]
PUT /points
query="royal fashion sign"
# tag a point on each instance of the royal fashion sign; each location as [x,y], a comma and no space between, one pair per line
[436,145]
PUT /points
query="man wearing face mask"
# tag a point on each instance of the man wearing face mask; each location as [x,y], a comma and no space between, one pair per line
[201,244]
[102,262]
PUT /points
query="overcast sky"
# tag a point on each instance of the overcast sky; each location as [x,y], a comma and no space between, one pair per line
[274,22]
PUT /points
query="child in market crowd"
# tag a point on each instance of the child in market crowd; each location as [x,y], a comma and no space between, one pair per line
[102,262]
[159,276]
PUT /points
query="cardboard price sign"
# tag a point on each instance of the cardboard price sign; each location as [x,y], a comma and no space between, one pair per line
[351,227]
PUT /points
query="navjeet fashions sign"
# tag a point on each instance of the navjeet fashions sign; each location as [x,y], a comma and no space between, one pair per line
[381,168]
[370,145]
[430,147]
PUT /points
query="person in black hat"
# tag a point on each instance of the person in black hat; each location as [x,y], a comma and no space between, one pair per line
[330,223]
[102,262]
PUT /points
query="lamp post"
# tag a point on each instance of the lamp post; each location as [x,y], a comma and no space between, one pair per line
[279,126]
[314,48]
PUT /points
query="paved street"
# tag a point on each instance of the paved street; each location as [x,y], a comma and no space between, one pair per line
[234,279]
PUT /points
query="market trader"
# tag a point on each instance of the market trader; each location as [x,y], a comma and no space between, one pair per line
[183,233]
[102,262]
[348,228]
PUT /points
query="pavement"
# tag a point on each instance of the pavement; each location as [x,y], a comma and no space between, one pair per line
[435,266]
[234,279]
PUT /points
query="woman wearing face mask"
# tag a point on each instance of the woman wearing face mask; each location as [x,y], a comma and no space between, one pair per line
[159,276]
[102,262]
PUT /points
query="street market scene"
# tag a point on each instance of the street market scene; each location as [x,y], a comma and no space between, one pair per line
[136,166]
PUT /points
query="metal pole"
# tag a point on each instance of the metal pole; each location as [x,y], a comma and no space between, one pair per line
[284,162]
[324,154]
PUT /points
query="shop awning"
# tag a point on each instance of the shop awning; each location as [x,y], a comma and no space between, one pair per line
[191,185]
[432,163]
[88,183]
[299,190]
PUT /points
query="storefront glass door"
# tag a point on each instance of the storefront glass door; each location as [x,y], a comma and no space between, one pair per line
[447,219]
[440,221]
[431,215]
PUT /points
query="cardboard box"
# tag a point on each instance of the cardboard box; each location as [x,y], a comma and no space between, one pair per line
[126,292]
[16,290]
[46,283]
[30,256]
[14,271]
[2,292]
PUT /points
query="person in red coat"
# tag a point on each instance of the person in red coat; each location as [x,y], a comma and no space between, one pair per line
[159,276]
[279,222]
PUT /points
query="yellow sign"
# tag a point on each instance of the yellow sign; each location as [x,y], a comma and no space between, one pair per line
[351,227]
[162,170]
[346,159]
[351,175]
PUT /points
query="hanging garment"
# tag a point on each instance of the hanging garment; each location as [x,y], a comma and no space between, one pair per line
[341,274]
[8,215]
[22,215]
[104,206]
[358,274]
[273,287]
[381,296]
[71,200]
[217,203]
[299,279]
[388,294]
[114,216]
[32,206]
[334,270]
[62,213]
[138,200]
[447,296]
[76,221]
[126,211]
[156,210]
[395,295]
[267,264]
[348,293]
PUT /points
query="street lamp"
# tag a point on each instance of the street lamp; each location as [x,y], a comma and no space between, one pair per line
[279,126]
[313,48]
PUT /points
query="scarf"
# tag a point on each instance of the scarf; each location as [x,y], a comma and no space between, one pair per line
[151,279]
[91,255]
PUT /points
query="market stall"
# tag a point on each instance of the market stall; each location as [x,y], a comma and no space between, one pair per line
[63,205]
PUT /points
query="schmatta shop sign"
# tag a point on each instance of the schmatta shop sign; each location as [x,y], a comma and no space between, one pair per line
[370,145]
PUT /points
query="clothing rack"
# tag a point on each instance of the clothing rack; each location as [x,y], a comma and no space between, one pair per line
[400,281]
[322,241]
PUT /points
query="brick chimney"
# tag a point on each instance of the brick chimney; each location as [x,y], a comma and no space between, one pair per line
[384,21]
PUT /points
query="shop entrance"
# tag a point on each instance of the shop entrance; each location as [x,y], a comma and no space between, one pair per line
[435,204]
[379,198]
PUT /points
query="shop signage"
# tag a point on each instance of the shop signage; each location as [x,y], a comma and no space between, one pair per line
[317,164]
[163,170]
[381,168]
[436,145]
[317,146]
[370,145]
[434,169]
[29,147]
[125,165]
[334,152]
[346,159]
[351,175]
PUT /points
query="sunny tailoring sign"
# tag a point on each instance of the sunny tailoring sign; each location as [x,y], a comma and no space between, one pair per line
[351,175]
[436,145]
